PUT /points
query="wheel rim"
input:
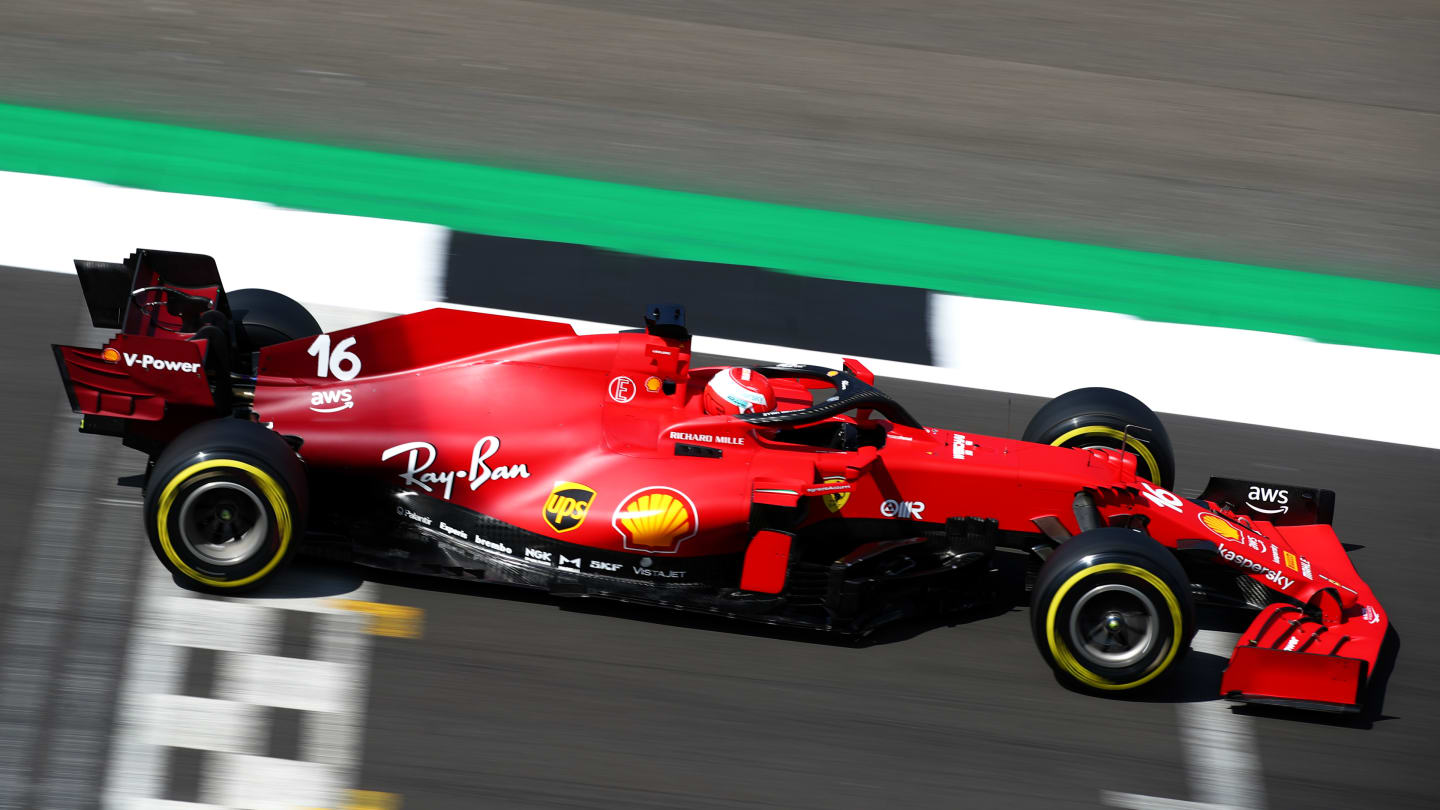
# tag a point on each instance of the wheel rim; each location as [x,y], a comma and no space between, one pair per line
[223,523]
[1123,441]
[1114,626]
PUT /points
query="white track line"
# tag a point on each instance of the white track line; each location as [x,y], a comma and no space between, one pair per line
[1222,758]
[1258,378]
[353,261]
[1131,801]
[329,688]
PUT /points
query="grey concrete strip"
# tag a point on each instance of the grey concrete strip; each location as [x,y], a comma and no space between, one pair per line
[68,612]
[36,311]
[39,608]
[752,304]
[1285,133]
[94,650]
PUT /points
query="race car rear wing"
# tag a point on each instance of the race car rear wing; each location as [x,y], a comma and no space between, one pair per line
[160,373]
[150,290]
[1278,504]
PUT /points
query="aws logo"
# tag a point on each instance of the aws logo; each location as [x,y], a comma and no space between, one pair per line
[1279,497]
[331,400]
[568,505]
[656,519]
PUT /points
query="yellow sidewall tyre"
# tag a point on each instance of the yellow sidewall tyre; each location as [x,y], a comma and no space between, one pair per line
[225,506]
[1104,417]
[1111,611]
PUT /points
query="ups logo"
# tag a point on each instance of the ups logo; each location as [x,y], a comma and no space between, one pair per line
[568,505]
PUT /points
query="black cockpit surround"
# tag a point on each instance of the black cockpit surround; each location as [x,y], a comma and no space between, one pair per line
[850,393]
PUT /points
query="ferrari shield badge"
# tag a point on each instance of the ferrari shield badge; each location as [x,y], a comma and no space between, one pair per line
[835,501]
[568,505]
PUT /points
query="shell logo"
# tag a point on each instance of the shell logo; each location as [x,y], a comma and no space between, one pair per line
[1220,527]
[656,519]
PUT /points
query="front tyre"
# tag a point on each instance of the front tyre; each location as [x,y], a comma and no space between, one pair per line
[225,505]
[1104,417]
[1111,610]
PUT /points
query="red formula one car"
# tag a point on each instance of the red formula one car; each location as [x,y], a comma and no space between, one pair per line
[511,450]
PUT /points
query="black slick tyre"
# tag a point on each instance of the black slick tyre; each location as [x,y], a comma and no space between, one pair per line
[1112,611]
[1099,417]
[265,317]
[225,505]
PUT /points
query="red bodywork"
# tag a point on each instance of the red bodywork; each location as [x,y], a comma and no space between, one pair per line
[599,442]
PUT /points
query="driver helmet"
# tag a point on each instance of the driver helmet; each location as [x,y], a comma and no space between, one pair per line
[736,390]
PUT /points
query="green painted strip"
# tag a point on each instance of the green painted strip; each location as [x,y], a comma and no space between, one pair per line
[679,225]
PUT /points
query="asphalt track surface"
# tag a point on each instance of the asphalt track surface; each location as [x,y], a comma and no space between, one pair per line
[516,700]
[1288,133]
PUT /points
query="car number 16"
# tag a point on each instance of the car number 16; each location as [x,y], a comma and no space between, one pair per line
[340,363]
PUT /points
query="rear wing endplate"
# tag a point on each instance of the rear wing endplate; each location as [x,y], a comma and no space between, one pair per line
[110,287]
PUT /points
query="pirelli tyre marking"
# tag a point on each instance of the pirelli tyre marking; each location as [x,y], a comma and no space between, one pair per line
[1071,664]
[1128,442]
[269,487]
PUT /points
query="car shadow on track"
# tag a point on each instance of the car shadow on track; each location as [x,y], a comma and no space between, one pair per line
[313,577]
[1198,677]
[1197,680]
[892,633]
[306,579]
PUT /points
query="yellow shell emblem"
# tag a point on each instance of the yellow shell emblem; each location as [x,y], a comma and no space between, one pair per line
[1220,526]
[656,519]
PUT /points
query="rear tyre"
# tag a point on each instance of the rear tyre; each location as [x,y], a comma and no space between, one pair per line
[1099,417]
[265,317]
[225,505]
[1111,611]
